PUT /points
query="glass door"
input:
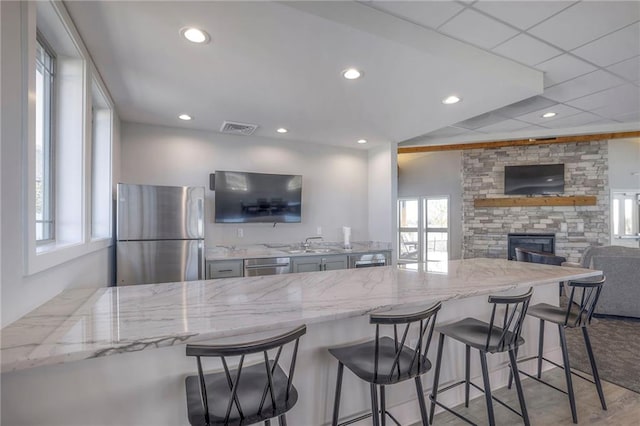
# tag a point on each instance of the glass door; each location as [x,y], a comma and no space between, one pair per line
[423,229]
[625,219]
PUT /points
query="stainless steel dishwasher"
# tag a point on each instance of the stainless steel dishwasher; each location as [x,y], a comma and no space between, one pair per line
[368,260]
[267,266]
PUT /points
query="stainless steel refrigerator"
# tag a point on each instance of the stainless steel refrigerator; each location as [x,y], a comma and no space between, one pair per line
[160,234]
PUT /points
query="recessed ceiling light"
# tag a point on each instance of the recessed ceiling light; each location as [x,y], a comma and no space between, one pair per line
[451,100]
[549,114]
[361,141]
[352,74]
[195,35]
[185,117]
[282,130]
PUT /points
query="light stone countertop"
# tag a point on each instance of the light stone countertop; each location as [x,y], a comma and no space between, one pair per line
[257,251]
[87,323]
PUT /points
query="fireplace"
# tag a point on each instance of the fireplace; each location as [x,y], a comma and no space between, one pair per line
[540,242]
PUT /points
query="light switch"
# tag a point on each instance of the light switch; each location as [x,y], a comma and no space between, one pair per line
[240,233]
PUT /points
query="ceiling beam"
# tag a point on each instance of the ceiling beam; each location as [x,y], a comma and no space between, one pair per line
[518,142]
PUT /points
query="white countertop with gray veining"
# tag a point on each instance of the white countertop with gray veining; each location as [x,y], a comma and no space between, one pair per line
[87,323]
[255,251]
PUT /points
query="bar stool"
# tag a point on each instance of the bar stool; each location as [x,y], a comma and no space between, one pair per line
[578,313]
[239,397]
[493,337]
[385,361]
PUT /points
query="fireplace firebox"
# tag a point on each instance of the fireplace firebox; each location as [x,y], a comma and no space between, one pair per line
[539,242]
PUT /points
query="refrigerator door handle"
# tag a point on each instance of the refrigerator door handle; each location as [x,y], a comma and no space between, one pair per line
[201,263]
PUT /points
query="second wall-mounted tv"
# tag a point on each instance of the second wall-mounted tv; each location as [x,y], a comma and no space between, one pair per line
[534,179]
[244,197]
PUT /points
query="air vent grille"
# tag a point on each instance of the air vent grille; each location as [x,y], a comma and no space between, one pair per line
[236,128]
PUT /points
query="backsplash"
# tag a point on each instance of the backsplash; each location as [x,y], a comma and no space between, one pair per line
[485,229]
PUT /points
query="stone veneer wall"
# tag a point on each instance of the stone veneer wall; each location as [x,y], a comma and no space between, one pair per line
[586,173]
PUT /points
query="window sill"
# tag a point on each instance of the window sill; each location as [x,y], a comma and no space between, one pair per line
[51,255]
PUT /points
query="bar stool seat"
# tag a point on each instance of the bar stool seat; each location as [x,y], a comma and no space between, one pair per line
[358,359]
[499,335]
[554,314]
[473,332]
[386,361]
[243,395]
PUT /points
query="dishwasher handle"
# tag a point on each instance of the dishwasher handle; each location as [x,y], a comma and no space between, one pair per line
[267,265]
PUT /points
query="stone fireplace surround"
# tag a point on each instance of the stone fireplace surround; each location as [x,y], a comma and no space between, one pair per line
[485,229]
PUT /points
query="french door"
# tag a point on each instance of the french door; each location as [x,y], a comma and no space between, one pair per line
[423,229]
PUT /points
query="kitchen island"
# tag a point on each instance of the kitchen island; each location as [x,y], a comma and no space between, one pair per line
[116,355]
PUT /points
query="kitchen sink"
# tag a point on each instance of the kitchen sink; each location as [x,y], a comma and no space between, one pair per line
[318,251]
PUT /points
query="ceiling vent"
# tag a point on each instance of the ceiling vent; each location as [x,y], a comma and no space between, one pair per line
[236,128]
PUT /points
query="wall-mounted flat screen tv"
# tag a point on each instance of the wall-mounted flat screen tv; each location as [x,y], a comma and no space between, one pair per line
[243,197]
[534,179]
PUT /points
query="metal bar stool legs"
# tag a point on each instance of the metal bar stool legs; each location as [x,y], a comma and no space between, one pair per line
[594,368]
[578,313]
[567,372]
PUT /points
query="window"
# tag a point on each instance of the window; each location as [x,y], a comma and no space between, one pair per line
[423,229]
[44,141]
[69,132]
[625,218]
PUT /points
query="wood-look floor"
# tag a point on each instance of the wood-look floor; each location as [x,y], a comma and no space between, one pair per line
[549,407]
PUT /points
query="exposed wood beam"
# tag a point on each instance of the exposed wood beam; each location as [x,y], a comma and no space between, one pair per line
[518,142]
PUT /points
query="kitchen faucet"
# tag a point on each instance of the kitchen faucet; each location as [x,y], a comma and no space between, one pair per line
[307,244]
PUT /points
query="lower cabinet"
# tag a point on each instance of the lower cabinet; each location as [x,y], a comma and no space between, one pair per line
[224,269]
[319,263]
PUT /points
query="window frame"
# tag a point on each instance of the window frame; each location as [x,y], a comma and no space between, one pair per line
[49,145]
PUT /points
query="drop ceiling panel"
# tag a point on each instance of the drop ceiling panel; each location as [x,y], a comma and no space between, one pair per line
[625,96]
[477,29]
[523,107]
[430,15]
[582,86]
[480,121]
[629,69]
[526,49]
[585,21]
[563,68]
[522,14]
[576,120]
[561,110]
[616,110]
[616,47]
[504,126]
[632,117]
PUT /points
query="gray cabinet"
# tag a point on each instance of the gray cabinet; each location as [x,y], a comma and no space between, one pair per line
[319,263]
[224,269]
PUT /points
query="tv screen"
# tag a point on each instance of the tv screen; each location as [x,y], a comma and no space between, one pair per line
[534,179]
[243,197]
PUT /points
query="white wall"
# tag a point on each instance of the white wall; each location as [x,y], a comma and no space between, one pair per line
[334,188]
[624,163]
[435,174]
[21,293]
